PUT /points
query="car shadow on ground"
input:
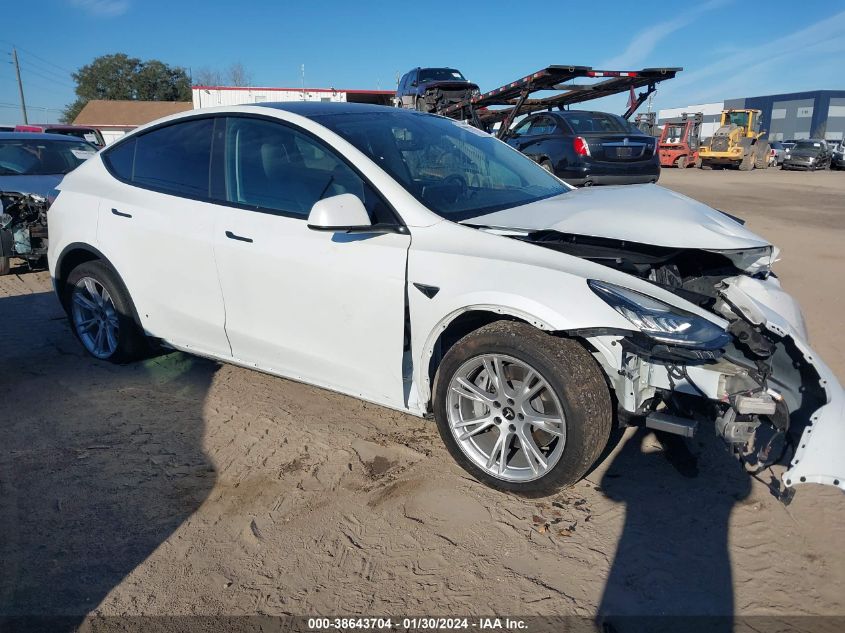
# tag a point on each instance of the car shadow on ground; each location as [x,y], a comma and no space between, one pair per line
[672,560]
[99,463]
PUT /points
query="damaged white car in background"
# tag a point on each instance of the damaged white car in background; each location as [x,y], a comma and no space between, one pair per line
[418,263]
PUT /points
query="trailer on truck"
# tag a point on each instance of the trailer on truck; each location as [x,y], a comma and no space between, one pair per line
[504,104]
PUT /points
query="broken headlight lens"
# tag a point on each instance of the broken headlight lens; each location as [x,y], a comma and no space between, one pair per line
[661,321]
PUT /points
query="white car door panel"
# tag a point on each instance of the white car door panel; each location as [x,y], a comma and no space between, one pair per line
[162,247]
[323,307]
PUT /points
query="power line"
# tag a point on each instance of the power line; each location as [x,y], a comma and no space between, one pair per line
[62,68]
[30,71]
[16,106]
[44,69]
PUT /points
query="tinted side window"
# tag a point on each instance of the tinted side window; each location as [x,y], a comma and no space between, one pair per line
[175,158]
[269,165]
[120,159]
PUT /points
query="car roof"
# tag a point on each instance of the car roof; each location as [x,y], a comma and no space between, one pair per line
[310,109]
[36,136]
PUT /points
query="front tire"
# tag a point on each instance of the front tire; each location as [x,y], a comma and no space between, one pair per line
[101,314]
[522,410]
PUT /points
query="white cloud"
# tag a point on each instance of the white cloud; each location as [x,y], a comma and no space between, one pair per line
[809,58]
[640,48]
[102,8]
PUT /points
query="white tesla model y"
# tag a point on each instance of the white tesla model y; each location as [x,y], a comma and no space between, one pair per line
[421,264]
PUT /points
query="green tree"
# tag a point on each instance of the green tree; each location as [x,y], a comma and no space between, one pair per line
[119,76]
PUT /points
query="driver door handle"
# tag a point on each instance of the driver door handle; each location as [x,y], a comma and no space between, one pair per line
[239,238]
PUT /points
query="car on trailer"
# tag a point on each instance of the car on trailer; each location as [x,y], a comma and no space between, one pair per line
[432,89]
[587,148]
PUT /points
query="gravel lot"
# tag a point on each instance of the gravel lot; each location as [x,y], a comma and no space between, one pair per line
[181,486]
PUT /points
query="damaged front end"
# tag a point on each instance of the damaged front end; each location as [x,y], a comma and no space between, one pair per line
[23,226]
[750,372]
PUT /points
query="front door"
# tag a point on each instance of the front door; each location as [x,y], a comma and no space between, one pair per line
[321,307]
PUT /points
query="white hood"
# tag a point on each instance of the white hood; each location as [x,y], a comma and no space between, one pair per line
[647,214]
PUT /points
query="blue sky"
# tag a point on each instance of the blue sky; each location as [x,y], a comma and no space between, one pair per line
[784,47]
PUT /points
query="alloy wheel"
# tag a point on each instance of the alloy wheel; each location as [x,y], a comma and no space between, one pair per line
[506,418]
[95,317]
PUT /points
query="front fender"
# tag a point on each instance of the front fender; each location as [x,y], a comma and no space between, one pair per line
[459,273]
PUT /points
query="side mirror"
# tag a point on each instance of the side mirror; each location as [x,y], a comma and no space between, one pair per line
[344,213]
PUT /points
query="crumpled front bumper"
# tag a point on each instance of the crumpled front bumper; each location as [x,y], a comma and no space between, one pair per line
[820,453]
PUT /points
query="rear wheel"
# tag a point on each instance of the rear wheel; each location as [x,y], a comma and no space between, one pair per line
[5,265]
[681,163]
[747,163]
[761,157]
[100,312]
[522,410]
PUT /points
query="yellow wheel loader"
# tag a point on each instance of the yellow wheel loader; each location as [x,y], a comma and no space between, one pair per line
[737,143]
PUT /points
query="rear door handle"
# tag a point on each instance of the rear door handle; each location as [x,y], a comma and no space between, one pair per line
[121,213]
[240,238]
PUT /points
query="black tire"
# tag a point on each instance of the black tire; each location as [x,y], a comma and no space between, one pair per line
[131,342]
[5,265]
[761,159]
[573,375]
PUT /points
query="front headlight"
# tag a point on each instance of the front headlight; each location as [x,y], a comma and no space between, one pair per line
[660,321]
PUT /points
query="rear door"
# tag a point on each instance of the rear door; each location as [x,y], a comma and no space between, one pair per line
[326,308]
[534,137]
[156,225]
[611,138]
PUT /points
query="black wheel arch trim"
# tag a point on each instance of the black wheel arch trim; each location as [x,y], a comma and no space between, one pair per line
[60,281]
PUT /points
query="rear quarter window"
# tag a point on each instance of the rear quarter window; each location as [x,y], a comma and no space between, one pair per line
[172,159]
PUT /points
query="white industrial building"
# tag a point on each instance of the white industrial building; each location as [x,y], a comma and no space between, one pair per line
[209,96]
[711,111]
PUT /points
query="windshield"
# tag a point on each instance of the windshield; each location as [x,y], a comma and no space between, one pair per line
[455,170]
[440,74]
[36,157]
[674,133]
[740,119]
[808,146]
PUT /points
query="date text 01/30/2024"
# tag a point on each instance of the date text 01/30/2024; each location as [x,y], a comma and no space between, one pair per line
[417,623]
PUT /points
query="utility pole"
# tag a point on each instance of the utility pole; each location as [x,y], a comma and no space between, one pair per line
[20,84]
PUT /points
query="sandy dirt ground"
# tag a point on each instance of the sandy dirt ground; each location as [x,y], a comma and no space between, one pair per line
[182,486]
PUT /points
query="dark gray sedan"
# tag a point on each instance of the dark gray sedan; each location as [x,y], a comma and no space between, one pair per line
[31,166]
[808,155]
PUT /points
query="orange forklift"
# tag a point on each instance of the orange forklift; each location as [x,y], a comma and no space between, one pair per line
[680,141]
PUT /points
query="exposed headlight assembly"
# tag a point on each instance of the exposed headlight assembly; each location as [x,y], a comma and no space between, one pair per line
[660,321]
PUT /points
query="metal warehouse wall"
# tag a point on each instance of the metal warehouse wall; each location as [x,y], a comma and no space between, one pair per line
[206,97]
[797,115]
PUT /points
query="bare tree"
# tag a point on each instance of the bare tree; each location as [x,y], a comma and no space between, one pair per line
[206,76]
[238,75]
